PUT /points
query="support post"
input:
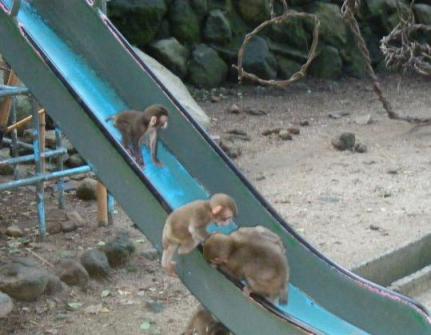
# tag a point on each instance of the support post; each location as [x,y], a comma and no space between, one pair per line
[60,167]
[102,205]
[6,104]
[40,194]
[42,132]
[14,137]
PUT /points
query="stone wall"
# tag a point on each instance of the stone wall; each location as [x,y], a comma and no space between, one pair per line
[198,39]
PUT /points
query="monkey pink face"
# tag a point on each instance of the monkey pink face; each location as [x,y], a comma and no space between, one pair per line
[163,121]
[224,218]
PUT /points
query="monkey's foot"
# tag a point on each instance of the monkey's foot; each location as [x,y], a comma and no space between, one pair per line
[171,270]
[159,164]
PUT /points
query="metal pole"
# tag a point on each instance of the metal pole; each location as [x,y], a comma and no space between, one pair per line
[111,209]
[15,8]
[44,177]
[40,196]
[60,159]
[19,143]
[14,138]
[29,158]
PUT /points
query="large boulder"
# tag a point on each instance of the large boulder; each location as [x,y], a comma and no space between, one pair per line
[206,68]
[292,32]
[119,250]
[200,7]
[328,63]
[259,60]
[217,28]
[72,273]
[333,30]
[254,11]
[384,14]
[138,20]
[172,54]
[176,87]
[6,305]
[287,67]
[184,21]
[423,13]
[22,282]
[87,189]
[96,263]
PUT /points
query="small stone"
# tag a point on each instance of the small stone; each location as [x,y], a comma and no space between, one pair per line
[234,109]
[155,307]
[74,160]
[230,149]
[360,148]
[259,178]
[337,115]
[14,231]
[76,218]
[346,141]
[151,254]
[255,112]
[293,131]
[96,263]
[54,227]
[304,123]
[238,134]
[68,226]
[87,189]
[364,119]
[6,170]
[54,285]
[119,250]
[73,273]
[6,305]
[393,171]
[374,227]
[284,135]
[272,131]
[215,98]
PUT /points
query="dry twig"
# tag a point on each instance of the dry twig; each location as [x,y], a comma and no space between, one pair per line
[287,15]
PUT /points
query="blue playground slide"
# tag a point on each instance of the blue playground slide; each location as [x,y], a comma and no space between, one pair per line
[82,70]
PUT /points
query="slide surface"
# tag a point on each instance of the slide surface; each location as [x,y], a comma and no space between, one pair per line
[82,70]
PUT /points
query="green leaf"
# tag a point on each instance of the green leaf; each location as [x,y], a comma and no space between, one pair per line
[105,293]
[74,306]
[146,325]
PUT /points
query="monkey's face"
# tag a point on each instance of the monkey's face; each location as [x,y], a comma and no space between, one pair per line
[224,217]
[217,248]
[163,121]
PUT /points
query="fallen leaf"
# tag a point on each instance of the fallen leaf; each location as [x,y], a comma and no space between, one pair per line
[105,293]
[74,306]
[146,325]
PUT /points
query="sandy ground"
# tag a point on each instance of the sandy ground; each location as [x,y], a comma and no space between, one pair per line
[351,206]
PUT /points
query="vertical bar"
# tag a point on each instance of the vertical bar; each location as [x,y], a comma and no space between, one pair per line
[5,105]
[60,167]
[40,196]
[14,138]
[42,132]
[102,205]
[111,209]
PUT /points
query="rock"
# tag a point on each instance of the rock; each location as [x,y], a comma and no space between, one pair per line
[164,31]
[171,54]
[119,250]
[72,273]
[177,88]
[50,141]
[423,13]
[215,98]
[364,119]
[23,107]
[374,227]
[96,263]
[54,285]
[346,141]
[259,60]
[6,305]
[287,67]
[234,109]
[393,171]
[337,115]
[333,30]
[76,218]
[255,112]
[354,62]
[328,64]
[360,148]
[68,226]
[206,68]
[294,131]
[74,160]
[184,21]
[217,28]
[87,189]
[304,123]
[284,135]
[53,227]
[14,231]
[6,170]
[293,32]
[138,20]
[254,11]
[272,131]
[21,282]
[232,150]
[382,12]
[150,254]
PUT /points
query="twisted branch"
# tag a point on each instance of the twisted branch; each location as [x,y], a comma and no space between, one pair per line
[287,15]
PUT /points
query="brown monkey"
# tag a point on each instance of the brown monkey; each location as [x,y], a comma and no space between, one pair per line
[203,323]
[134,125]
[186,227]
[253,256]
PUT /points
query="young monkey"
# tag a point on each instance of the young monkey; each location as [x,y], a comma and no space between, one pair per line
[186,227]
[255,255]
[203,323]
[134,125]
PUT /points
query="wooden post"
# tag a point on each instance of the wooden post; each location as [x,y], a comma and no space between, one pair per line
[102,204]
[6,104]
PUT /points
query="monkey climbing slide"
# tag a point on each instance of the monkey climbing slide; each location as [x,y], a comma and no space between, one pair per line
[82,70]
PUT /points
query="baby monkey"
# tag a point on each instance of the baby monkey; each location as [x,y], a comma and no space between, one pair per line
[203,323]
[255,255]
[187,226]
[134,125]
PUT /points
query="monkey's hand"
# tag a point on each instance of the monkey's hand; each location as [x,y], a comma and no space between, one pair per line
[159,164]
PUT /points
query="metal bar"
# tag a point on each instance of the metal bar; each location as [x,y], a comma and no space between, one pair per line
[15,8]
[111,209]
[20,143]
[14,138]
[44,177]
[60,167]
[40,194]
[8,91]
[29,158]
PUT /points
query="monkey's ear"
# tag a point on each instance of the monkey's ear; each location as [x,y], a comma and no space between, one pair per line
[217,210]
[153,121]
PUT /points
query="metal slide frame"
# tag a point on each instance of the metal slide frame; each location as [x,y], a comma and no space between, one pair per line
[91,36]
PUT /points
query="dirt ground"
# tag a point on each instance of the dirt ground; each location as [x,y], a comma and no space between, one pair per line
[350,206]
